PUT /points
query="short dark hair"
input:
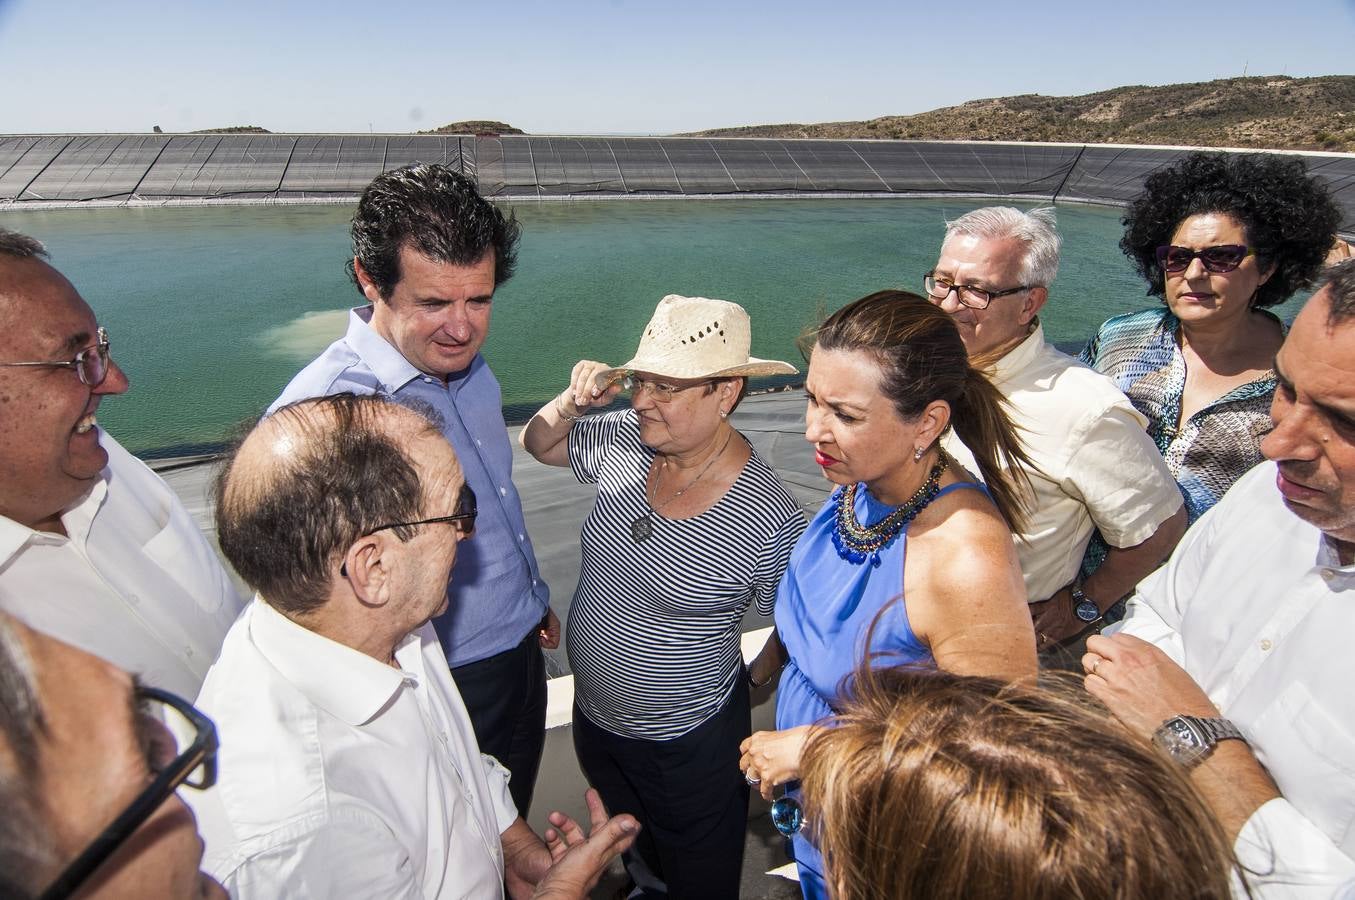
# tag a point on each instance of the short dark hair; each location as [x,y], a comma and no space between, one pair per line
[286,531]
[1339,282]
[438,212]
[26,843]
[12,243]
[1286,214]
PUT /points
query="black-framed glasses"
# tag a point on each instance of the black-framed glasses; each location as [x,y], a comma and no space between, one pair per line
[91,363]
[1218,259]
[968,295]
[194,766]
[662,391]
[463,516]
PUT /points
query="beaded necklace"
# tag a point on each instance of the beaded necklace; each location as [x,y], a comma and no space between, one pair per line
[856,542]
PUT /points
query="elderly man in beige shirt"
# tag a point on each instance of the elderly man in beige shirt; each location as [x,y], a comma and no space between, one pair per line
[1098,468]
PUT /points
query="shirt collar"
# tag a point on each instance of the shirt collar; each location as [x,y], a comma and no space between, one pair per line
[386,362]
[1020,356]
[77,519]
[347,684]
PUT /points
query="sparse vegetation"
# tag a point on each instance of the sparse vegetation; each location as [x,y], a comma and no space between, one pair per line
[235,129]
[1265,111]
[476,126]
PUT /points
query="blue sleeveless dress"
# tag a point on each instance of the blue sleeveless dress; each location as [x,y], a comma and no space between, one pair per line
[825,605]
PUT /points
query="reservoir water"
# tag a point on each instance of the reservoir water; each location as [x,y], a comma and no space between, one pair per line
[211,310]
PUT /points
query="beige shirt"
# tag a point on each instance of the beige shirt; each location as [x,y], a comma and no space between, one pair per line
[1098,466]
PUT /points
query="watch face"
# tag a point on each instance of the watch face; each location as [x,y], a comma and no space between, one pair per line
[1182,740]
[1087,611]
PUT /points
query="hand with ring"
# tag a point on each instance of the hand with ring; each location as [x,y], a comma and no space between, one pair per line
[771,758]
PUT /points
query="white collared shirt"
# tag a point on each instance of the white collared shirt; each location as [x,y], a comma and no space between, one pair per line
[1256,607]
[135,582]
[344,777]
[1098,466]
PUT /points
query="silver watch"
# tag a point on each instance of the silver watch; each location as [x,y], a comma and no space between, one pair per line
[1189,739]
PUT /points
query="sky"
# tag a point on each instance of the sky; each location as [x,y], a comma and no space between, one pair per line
[615,66]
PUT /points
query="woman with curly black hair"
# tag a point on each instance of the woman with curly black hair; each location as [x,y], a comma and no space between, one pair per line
[1218,237]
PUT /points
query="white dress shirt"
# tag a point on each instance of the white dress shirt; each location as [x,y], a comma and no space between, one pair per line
[134,581]
[1256,607]
[344,777]
[1098,466]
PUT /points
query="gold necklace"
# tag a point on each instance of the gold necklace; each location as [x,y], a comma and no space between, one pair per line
[643,528]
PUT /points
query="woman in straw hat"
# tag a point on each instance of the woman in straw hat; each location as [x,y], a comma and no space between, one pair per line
[690,527]
[910,560]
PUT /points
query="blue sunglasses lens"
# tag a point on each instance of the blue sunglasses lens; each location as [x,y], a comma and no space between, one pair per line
[787,815]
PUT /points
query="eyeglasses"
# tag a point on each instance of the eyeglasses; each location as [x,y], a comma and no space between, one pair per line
[194,766]
[968,295]
[662,391]
[1218,260]
[464,517]
[91,363]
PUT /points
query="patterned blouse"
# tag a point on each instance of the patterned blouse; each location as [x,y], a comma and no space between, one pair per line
[1210,451]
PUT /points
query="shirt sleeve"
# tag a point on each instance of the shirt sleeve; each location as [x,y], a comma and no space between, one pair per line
[500,800]
[772,561]
[1283,855]
[590,440]
[1120,475]
[351,854]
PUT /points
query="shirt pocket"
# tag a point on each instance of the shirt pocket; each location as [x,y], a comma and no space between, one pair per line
[1311,756]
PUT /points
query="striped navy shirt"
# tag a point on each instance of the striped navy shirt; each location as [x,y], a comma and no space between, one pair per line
[653,629]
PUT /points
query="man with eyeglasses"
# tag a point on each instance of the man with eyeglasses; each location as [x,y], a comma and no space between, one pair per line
[428,255]
[87,778]
[94,547]
[348,764]
[1098,470]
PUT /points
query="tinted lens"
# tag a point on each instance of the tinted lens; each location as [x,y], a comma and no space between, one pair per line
[1224,258]
[787,815]
[465,506]
[1174,259]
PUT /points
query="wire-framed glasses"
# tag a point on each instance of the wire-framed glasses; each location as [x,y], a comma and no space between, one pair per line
[968,295]
[662,391]
[91,363]
[463,516]
[193,765]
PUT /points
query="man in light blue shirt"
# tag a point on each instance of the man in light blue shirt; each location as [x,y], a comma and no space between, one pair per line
[429,252]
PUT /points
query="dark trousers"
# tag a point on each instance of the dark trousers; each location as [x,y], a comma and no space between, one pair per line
[506,698]
[688,794]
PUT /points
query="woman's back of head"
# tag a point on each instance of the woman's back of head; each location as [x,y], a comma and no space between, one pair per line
[934,785]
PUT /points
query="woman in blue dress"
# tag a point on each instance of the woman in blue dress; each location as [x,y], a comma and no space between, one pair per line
[888,375]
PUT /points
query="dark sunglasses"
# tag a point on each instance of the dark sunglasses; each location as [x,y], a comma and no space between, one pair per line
[1218,260]
[194,766]
[464,517]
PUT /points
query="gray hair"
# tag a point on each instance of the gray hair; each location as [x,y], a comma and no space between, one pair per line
[1339,280]
[1035,229]
[26,846]
[12,243]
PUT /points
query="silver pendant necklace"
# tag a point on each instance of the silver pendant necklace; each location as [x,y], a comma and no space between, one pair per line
[643,528]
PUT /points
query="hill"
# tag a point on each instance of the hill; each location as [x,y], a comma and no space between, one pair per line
[1274,112]
[234,129]
[475,126]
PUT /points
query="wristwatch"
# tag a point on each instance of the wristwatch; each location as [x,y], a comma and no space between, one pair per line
[1189,739]
[1084,607]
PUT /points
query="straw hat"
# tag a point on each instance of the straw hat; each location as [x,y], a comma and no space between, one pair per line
[696,337]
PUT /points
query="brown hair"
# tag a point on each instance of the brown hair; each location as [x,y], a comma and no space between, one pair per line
[922,358]
[935,785]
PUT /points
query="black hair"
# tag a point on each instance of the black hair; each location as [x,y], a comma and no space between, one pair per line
[436,211]
[1286,214]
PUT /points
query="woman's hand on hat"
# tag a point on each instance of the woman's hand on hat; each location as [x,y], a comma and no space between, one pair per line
[583,389]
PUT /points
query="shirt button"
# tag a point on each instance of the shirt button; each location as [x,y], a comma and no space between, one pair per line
[503,491]
[1266,644]
[477,443]
[134,599]
[522,537]
[188,651]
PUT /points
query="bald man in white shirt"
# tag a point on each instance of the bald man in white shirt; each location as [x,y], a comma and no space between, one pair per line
[1235,656]
[348,763]
[95,549]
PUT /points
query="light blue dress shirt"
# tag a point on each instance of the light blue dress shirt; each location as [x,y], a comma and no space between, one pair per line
[495,596]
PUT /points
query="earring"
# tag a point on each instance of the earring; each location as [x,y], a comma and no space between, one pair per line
[917,453]
[723,414]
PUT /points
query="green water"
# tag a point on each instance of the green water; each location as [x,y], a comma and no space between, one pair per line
[212,310]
